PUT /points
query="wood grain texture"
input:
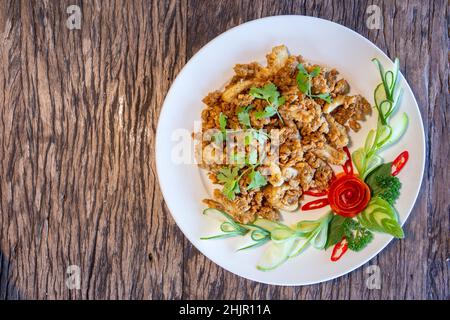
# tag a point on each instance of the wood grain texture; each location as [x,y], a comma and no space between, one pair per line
[78,183]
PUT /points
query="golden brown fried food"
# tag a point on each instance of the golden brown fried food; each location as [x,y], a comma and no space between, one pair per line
[306,129]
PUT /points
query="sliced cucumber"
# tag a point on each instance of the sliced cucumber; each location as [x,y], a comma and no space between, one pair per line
[320,240]
[299,246]
[306,227]
[281,234]
[275,255]
[383,135]
[359,159]
[267,224]
[228,224]
[370,140]
[385,108]
[380,67]
[382,75]
[399,126]
[395,71]
[373,163]
[390,80]
[380,216]
[379,94]
[302,244]
[397,99]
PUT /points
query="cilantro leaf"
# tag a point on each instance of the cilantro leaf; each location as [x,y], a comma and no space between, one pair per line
[324,96]
[304,80]
[222,122]
[269,93]
[301,69]
[230,178]
[219,137]
[230,189]
[268,112]
[241,160]
[315,72]
[244,116]
[226,174]
[303,83]
[257,180]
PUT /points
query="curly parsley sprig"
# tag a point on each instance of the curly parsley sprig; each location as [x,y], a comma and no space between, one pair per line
[357,236]
[383,184]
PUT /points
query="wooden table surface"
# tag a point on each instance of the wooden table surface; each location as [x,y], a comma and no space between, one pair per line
[78,184]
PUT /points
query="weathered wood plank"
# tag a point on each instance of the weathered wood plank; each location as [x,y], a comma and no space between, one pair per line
[79,187]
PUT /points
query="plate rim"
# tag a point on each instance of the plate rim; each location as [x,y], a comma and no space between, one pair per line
[162,115]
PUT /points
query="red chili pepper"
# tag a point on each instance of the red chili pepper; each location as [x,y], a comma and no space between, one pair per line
[399,163]
[316,193]
[348,166]
[316,204]
[339,249]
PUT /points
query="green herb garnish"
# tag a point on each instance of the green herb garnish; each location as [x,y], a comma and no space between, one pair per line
[257,180]
[230,178]
[304,80]
[357,236]
[229,227]
[220,136]
[269,93]
[244,116]
[387,97]
[380,216]
[383,184]
[284,242]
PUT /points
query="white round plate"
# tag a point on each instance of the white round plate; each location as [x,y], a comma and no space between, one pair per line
[183,184]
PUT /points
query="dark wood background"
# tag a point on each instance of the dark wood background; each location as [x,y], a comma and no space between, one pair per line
[78,185]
